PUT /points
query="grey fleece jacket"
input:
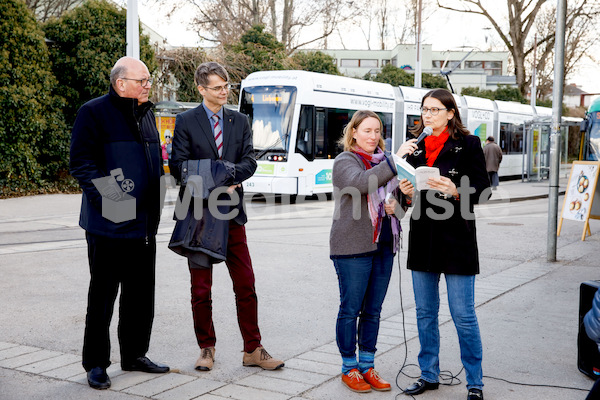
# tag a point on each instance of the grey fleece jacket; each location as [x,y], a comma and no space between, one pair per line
[351,230]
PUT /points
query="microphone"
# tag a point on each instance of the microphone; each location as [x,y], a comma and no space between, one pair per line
[426,132]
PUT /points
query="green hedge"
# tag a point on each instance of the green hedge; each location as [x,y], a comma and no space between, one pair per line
[33,135]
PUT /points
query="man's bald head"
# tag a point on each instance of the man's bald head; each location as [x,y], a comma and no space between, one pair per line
[130,78]
[121,67]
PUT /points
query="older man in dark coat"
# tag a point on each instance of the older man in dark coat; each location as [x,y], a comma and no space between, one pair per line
[115,156]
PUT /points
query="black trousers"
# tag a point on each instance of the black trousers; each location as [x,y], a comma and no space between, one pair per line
[130,264]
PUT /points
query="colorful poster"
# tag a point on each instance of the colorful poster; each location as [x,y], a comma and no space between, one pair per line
[580,191]
[166,126]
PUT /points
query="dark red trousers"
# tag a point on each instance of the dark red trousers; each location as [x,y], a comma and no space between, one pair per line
[240,269]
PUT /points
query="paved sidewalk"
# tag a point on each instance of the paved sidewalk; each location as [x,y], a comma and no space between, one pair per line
[525,305]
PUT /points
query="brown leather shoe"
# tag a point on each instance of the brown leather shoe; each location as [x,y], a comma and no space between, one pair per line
[377,383]
[206,359]
[355,381]
[260,358]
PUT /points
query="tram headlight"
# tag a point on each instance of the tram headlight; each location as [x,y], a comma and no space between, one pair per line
[276,158]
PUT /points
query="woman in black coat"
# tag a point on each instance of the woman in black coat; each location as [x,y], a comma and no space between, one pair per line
[443,239]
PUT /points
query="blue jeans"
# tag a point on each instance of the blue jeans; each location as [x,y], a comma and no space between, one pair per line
[461,298]
[363,284]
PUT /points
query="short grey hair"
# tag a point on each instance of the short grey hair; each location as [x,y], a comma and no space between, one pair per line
[207,69]
[118,71]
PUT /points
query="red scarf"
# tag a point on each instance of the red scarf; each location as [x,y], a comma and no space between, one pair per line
[433,146]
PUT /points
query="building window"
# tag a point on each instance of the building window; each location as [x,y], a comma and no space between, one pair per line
[493,67]
[473,64]
[489,67]
[369,63]
[449,64]
[349,63]
[385,62]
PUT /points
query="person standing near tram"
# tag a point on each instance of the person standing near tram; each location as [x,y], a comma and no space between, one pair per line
[116,134]
[212,132]
[443,239]
[365,235]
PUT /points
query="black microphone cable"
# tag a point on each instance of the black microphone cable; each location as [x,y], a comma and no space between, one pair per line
[447,378]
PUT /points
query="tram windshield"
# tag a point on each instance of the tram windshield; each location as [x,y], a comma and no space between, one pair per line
[594,143]
[270,110]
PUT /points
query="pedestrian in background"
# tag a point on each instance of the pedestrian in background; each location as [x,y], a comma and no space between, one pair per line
[441,244]
[168,146]
[493,157]
[118,132]
[211,132]
[165,154]
[362,246]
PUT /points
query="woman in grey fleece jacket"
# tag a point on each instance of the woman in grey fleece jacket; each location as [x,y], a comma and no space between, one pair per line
[365,235]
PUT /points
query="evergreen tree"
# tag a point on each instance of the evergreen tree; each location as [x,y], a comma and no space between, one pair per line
[430,81]
[33,136]
[260,51]
[86,43]
[504,93]
[315,61]
[398,77]
[394,76]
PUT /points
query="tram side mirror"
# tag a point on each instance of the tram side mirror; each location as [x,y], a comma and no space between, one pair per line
[584,124]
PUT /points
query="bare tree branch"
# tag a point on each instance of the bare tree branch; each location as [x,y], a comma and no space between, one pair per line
[522,16]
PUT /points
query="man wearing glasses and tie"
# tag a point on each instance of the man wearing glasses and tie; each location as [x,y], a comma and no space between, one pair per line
[212,132]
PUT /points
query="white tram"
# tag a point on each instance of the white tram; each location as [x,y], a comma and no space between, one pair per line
[297,118]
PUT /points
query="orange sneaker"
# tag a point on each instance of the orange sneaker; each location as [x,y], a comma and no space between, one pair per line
[372,378]
[355,382]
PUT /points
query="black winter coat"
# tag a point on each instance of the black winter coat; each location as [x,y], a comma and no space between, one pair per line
[107,136]
[448,244]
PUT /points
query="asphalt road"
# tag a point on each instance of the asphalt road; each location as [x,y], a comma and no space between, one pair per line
[529,328]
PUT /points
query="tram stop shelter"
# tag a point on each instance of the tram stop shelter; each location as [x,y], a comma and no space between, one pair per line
[536,146]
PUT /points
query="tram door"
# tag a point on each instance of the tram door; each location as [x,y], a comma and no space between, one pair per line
[538,151]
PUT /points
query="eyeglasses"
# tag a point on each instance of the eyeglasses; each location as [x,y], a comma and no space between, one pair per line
[433,110]
[219,89]
[143,82]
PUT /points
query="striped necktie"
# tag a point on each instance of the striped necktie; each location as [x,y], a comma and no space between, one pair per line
[218,135]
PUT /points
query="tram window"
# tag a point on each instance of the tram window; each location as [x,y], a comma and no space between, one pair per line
[511,138]
[386,120]
[516,143]
[304,141]
[411,122]
[504,138]
[320,134]
[337,119]
[329,129]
